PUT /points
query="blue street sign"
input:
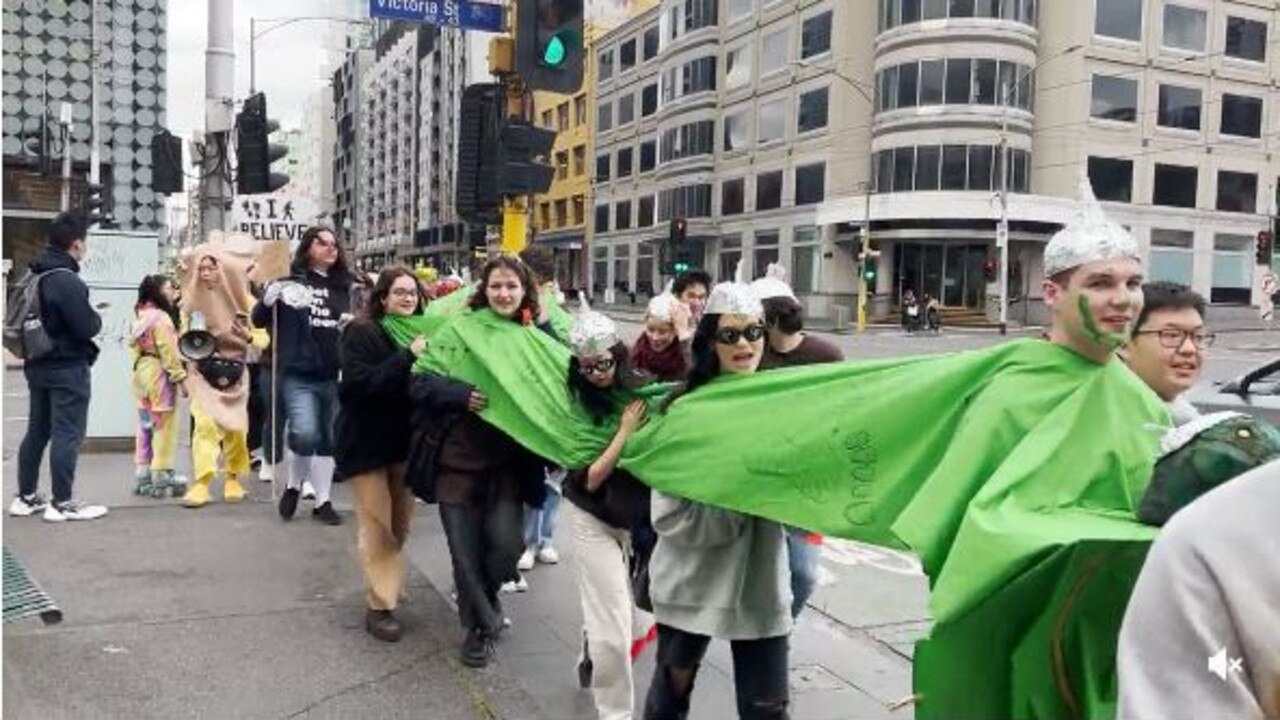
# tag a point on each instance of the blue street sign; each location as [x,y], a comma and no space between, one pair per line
[452,13]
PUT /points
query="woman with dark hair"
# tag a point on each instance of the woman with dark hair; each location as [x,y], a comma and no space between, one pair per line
[478,474]
[716,573]
[372,441]
[605,503]
[158,374]
[309,308]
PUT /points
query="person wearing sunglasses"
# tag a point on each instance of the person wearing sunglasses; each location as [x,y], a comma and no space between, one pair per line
[604,506]
[716,573]
[372,441]
[1167,346]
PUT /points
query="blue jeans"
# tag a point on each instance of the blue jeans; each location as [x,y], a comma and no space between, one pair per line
[272,441]
[540,523]
[57,418]
[312,408]
[804,568]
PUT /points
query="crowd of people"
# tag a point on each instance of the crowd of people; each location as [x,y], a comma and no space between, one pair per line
[372,381]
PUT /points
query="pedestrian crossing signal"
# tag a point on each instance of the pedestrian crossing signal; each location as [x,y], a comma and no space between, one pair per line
[549,44]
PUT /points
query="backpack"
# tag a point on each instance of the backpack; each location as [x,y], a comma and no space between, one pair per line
[24,332]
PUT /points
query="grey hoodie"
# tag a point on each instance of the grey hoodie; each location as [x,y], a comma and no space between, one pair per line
[719,573]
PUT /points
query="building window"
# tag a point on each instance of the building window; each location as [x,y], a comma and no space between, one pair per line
[648,155]
[903,12]
[772,122]
[730,253]
[606,65]
[1118,19]
[959,79]
[815,35]
[769,190]
[1185,28]
[544,215]
[622,215]
[562,212]
[1175,186]
[1172,258]
[651,37]
[548,120]
[624,162]
[932,75]
[813,111]
[804,260]
[928,163]
[627,55]
[764,252]
[736,132]
[605,121]
[980,162]
[737,67]
[646,212]
[688,201]
[1246,39]
[733,196]
[689,140]
[579,160]
[580,110]
[562,116]
[1112,178]
[699,14]
[626,109]
[954,167]
[1179,107]
[904,169]
[908,86]
[649,100]
[1237,191]
[602,168]
[579,209]
[1232,269]
[602,218]
[773,51]
[811,183]
[1241,115]
[562,164]
[1114,98]
[698,76]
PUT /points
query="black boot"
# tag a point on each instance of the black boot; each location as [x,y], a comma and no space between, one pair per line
[383,625]
[477,649]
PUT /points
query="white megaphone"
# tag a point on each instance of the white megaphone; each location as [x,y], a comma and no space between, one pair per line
[197,342]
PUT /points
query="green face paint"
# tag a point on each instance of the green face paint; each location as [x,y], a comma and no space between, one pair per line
[1096,333]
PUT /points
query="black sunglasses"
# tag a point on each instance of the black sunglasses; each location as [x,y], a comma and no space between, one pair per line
[601,366]
[731,336]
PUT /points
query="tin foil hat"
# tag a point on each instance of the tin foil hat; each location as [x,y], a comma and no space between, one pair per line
[735,297]
[593,332]
[773,284]
[1089,236]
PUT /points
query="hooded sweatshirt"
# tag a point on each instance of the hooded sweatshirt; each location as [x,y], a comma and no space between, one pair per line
[68,317]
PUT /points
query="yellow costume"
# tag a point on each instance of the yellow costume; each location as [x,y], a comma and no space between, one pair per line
[157,373]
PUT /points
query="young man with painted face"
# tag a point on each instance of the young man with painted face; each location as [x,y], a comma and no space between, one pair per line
[1168,344]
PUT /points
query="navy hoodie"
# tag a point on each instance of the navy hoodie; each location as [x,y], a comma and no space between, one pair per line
[70,320]
[306,339]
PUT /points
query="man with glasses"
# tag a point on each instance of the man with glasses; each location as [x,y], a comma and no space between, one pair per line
[1168,344]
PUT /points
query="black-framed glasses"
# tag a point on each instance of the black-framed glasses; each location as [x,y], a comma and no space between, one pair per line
[404,292]
[731,336]
[1172,338]
[599,367]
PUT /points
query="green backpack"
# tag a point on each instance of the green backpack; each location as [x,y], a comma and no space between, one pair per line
[1203,454]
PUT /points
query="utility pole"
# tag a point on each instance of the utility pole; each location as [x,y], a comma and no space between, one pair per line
[862,260]
[1002,229]
[219,105]
[64,129]
[95,139]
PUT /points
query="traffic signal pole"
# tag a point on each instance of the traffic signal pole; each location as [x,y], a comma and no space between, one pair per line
[515,210]
[219,105]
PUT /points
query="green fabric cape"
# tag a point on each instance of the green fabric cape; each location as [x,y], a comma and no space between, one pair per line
[1013,471]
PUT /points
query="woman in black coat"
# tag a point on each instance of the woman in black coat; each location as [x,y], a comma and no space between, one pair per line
[372,439]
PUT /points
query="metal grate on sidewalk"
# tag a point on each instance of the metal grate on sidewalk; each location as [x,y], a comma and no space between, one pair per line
[23,597]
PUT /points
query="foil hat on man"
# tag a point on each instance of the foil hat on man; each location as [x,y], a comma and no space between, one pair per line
[735,297]
[593,333]
[1088,237]
[773,284]
[661,305]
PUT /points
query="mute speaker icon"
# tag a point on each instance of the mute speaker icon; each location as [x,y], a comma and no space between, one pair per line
[1218,664]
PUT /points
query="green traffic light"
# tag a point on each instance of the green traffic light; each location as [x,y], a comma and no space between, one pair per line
[554,53]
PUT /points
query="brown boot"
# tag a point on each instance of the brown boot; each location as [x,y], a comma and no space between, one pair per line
[383,625]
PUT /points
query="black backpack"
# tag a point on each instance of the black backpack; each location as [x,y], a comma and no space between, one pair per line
[24,332]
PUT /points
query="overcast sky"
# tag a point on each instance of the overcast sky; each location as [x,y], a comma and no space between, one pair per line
[290,62]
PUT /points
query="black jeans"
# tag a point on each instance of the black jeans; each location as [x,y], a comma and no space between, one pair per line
[759,676]
[58,416]
[485,542]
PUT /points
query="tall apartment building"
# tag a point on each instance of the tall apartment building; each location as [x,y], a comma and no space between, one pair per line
[50,59]
[314,178]
[774,119]
[347,134]
[410,93]
[560,214]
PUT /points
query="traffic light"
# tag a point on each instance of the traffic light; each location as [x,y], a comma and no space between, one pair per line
[1264,248]
[166,163]
[675,259]
[94,206]
[521,149]
[479,127]
[549,44]
[869,268]
[254,152]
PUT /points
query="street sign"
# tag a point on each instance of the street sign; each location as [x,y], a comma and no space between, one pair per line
[487,17]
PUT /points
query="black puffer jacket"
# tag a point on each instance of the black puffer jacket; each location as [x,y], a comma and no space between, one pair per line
[70,320]
[372,431]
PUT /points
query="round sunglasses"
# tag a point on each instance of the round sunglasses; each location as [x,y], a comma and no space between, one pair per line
[731,336]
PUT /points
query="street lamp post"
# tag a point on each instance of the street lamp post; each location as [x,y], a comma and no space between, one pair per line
[1002,229]
[279,23]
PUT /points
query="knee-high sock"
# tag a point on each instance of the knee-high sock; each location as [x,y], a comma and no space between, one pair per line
[299,469]
[322,477]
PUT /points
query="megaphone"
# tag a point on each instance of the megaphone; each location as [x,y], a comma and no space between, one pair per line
[197,342]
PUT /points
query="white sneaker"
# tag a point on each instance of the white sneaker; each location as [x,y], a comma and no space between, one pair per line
[526,561]
[517,586]
[24,506]
[267,472]
[73,510]
[548,556]
[308,492]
